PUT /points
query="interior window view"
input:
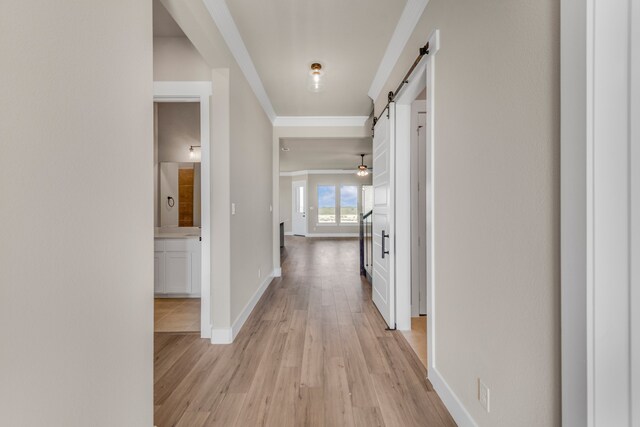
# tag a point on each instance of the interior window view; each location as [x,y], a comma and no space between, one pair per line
[288,213]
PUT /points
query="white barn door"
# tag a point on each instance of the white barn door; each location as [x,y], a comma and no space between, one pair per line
[383,286]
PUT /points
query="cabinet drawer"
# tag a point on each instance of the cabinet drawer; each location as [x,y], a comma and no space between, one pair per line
[171,245]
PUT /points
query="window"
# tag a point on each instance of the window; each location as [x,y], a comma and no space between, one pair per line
[300,200]
[349,204]
[326,204]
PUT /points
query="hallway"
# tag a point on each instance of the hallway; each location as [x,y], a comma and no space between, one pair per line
[313,352]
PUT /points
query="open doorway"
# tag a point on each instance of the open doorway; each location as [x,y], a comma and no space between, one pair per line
[178,217]
[417,335]
[181,208]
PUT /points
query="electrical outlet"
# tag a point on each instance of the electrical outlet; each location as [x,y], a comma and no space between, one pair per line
[233,208]
[483,395]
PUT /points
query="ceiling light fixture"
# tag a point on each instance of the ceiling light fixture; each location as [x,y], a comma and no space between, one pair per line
[285,149]
[315,83]
[362,168]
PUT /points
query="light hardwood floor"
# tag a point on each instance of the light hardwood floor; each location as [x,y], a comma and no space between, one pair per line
[176,315]
[417,338]
[314,352]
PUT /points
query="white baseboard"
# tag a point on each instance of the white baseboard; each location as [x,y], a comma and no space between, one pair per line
[246,311]
[288,233]
[315,235]
[227,335]
[221,336]
[277,272]
[450,400]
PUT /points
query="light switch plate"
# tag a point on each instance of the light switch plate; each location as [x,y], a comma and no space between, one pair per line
[484,395]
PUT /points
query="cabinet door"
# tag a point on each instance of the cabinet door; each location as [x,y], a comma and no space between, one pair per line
[158,272]
[177,272]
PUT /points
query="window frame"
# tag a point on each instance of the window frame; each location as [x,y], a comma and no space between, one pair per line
[337,205]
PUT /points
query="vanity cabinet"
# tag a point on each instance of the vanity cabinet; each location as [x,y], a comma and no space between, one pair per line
[177,266]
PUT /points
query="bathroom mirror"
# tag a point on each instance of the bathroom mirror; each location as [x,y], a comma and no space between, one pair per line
[179,198]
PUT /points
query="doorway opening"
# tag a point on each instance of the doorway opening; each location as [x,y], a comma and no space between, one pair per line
[417,335]
[181,208]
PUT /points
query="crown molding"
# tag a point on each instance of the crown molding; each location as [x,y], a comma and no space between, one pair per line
[406,24]
[311,121]
[226,25]
[321,172]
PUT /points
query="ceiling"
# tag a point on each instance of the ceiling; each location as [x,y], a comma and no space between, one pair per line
[319,154]
[348,38]
[163,23]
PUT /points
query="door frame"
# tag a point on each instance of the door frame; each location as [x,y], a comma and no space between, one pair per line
[600,201]
[306,206]
[417,107]
[197,91]
[422,77]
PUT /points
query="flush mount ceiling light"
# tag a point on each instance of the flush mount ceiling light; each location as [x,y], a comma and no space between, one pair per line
[285,149]
[192,153]
[362,168]
[315,82]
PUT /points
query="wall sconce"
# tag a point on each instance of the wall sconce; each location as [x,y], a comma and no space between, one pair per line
[192,153]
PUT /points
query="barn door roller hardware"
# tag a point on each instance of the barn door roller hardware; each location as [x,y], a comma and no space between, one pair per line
[424,50]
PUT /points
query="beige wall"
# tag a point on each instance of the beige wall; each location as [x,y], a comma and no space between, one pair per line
[175,59]
[496,203]
[245,161]
[178,129]
[76,293]
[285,202]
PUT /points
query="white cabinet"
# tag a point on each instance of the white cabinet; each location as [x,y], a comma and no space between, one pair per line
[177,266]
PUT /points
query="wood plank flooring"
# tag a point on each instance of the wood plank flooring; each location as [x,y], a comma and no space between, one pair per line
[176,314]
[417,338]
[314,352]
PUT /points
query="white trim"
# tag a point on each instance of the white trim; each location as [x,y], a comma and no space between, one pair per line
[597,193]
[277,272]
[287,233]
[251,304]
[321,172]
[450,400]
[316,235]
[221,336]
[314,121]
[198,92]
[406,24]
[228,335]
[224,21]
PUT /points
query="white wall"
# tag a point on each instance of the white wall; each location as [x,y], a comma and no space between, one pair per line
[178,129]
[76,292]
[240,158]
[497,203]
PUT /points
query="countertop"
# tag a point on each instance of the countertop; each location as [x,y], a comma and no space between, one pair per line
[177,232]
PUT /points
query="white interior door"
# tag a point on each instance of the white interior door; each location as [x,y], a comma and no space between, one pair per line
[383,284]
[299,208]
